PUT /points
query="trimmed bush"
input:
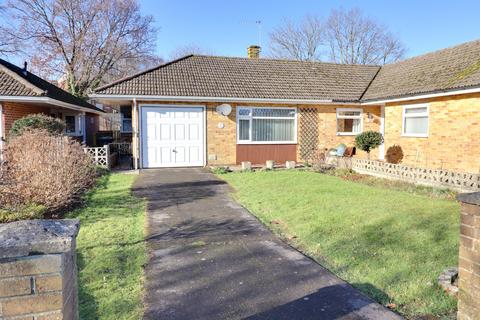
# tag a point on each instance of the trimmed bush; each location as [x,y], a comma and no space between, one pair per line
[37,121]
[47,170]
[368,140]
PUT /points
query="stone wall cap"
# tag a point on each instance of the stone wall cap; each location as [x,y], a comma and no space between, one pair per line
[470,198]
[23,238]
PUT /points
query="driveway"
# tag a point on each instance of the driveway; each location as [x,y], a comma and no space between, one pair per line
[209,258]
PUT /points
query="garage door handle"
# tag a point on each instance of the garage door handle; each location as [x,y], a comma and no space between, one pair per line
[174,150]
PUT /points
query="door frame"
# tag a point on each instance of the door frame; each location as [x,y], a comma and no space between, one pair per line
[171,106]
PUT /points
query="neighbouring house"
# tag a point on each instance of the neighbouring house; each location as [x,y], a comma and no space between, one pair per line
[427,108]
[23,93]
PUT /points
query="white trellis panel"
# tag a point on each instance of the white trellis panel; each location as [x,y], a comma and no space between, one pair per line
[100,155]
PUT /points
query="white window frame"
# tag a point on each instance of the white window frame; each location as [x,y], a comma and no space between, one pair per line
[250,118]
[339,116]
[416,115]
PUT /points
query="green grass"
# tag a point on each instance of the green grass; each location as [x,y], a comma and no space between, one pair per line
[111,251]
[391,244]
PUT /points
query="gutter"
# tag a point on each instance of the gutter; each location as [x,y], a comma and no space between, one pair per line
[51,101]
[422,96]
[216,99]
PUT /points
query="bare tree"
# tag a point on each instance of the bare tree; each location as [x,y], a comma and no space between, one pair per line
[346,37]
[87,41]
[7,45]
[356,39]
[302,41]
[189,49]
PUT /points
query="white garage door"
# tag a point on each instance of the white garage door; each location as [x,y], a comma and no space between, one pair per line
[172,137]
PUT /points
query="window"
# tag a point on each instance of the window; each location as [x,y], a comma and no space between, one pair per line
[266,125]
[415,121]
[126,116]
[349,121]
[70,122]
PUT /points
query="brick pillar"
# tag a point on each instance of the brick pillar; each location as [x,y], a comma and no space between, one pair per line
[469,257]
[38,273]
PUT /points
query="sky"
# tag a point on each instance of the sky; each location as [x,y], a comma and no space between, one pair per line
[228,27]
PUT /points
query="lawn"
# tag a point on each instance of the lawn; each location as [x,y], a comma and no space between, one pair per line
[391,244]
[111,251]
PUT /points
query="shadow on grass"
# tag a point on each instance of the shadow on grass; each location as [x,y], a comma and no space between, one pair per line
[110,250]
[87,303]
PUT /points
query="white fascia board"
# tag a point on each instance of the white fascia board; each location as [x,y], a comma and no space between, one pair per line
[48,100]
[424,96]
[214,99]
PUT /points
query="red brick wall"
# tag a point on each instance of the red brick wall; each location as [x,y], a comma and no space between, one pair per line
[13,111]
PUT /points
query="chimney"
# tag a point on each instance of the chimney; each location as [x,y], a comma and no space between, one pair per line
[254,52]
[25,65]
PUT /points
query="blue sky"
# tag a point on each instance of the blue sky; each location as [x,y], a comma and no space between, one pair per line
[227,27]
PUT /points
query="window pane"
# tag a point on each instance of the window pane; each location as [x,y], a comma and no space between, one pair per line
[349,113]
[273,130]
[348,125]
[244,112]
[415,110]
[244,129]
[70,124]
[278,113]
[127,125]
[417,125]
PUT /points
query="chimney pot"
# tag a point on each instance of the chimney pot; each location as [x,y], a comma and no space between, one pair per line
[254,52]
[25,65]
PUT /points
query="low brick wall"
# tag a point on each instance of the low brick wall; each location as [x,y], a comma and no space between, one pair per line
[430,177]
[38,277]
[469,258]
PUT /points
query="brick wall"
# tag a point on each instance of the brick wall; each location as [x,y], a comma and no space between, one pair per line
[327,124]
[38,278]
[454,128]
[221,142]
[13,111]
[469,258]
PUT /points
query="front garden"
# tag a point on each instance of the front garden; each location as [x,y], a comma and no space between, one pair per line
[111,251]
[46,174]
[389,240]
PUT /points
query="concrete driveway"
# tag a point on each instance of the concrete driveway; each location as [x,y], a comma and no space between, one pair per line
[209,258]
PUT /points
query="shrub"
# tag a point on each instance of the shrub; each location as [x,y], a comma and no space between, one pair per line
[368,140]
[46,170]
[220,170]
[37,121]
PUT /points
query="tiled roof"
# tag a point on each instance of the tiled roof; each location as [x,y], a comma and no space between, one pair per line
[207,76]
[13,82]
[444,70]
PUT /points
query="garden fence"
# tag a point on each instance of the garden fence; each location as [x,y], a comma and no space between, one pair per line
[100,155]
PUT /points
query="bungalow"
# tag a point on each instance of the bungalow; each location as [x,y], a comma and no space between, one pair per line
[201,110]
[23,93]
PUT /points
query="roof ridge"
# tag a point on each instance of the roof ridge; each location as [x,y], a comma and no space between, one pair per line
[434,52]
[286,60]
[9,68]
[137,74]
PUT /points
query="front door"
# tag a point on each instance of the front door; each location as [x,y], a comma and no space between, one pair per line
[172,136]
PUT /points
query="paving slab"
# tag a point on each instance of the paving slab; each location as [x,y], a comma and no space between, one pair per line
[209,258]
